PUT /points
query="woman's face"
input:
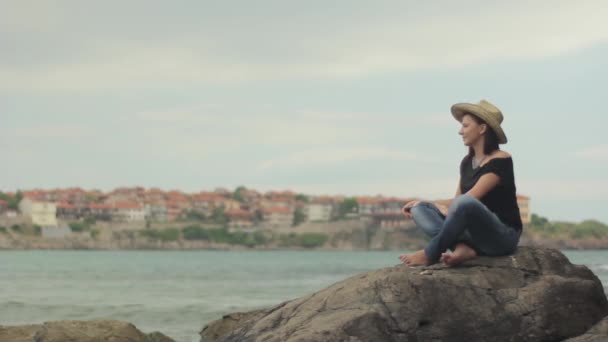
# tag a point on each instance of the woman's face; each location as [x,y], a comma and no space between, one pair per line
[471,131]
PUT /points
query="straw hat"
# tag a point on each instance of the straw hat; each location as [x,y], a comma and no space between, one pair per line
[486,112]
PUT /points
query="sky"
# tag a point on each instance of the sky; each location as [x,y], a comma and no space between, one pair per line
[322,98]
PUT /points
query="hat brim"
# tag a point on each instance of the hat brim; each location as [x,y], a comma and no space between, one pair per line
[460,109]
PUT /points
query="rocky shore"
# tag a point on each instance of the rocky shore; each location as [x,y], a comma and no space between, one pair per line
[534,295]
[79,331]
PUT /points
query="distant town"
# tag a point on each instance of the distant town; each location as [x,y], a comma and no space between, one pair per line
[241,208]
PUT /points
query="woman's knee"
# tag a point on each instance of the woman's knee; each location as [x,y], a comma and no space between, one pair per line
[422,206]
[425,215]
[422,210]
[465,202]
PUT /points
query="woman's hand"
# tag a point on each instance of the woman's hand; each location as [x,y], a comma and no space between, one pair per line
[406,208]
[442,209]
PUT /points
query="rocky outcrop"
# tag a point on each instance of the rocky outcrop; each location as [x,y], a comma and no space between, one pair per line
[599,333]
[535,295]
[79,331]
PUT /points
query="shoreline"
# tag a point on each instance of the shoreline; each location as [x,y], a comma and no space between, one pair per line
[345,236]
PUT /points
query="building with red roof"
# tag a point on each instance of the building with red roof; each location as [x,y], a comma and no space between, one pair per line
[277,217]
[523,202]
[238,218]
[128,212]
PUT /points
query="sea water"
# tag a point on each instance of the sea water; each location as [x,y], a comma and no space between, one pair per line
[178,292]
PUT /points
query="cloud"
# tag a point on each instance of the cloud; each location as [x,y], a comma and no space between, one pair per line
[594,153]
[25,16]
[567,190]
[276,45]
[253,125]
[426,188]
[207,113]
[336,156]
[406,119]
[51,131]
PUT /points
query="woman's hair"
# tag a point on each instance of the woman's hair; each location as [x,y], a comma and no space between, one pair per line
[491,141]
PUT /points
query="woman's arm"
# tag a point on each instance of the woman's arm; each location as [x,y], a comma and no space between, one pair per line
[485,183]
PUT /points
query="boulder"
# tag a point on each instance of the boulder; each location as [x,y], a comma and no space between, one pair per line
[79,331]
[598,333]
[534,295]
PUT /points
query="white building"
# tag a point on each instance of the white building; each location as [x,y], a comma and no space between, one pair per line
[41,213]
[128,212]
[318,212]
[367,205]
[156,212]
[278,217]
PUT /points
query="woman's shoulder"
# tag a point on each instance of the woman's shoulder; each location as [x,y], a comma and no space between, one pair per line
[498,156]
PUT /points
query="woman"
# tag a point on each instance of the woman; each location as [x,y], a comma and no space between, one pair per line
[483,218]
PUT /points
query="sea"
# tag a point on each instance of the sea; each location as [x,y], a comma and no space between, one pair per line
[178,292]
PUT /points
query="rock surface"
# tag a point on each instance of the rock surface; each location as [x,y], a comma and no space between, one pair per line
[79,331]
[535,295]
[599,333]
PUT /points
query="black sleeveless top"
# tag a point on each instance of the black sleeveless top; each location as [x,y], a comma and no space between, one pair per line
[502,199]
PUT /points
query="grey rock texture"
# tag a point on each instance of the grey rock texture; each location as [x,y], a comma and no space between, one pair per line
[79,331]
[598,333]
[535,295]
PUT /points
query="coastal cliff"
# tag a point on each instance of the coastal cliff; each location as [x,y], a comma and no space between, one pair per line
[535,295]
[341,235]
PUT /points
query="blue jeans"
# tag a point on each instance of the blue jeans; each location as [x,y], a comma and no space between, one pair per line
[469,221]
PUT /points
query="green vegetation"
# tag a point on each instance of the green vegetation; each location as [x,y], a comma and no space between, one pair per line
[82,226]
[167,234]
[195,215]
[311,240]
[306,240]
[237,195]
[222,235]
[3,230]
[78,227]
[253,239]
[349,205]
[567,230]
[248,239]
[218,216]
[12,201]
[303,198]
[90,220]
[94,233]
[195,233]
[298,216]
[26,229]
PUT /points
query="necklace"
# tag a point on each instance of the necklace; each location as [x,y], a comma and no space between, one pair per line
[475,163]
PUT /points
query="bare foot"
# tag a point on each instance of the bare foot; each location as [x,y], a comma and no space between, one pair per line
[415,259]
[461,254]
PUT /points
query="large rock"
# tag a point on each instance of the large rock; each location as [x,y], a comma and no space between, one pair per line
[599,333]
[79,331]
[535,295]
